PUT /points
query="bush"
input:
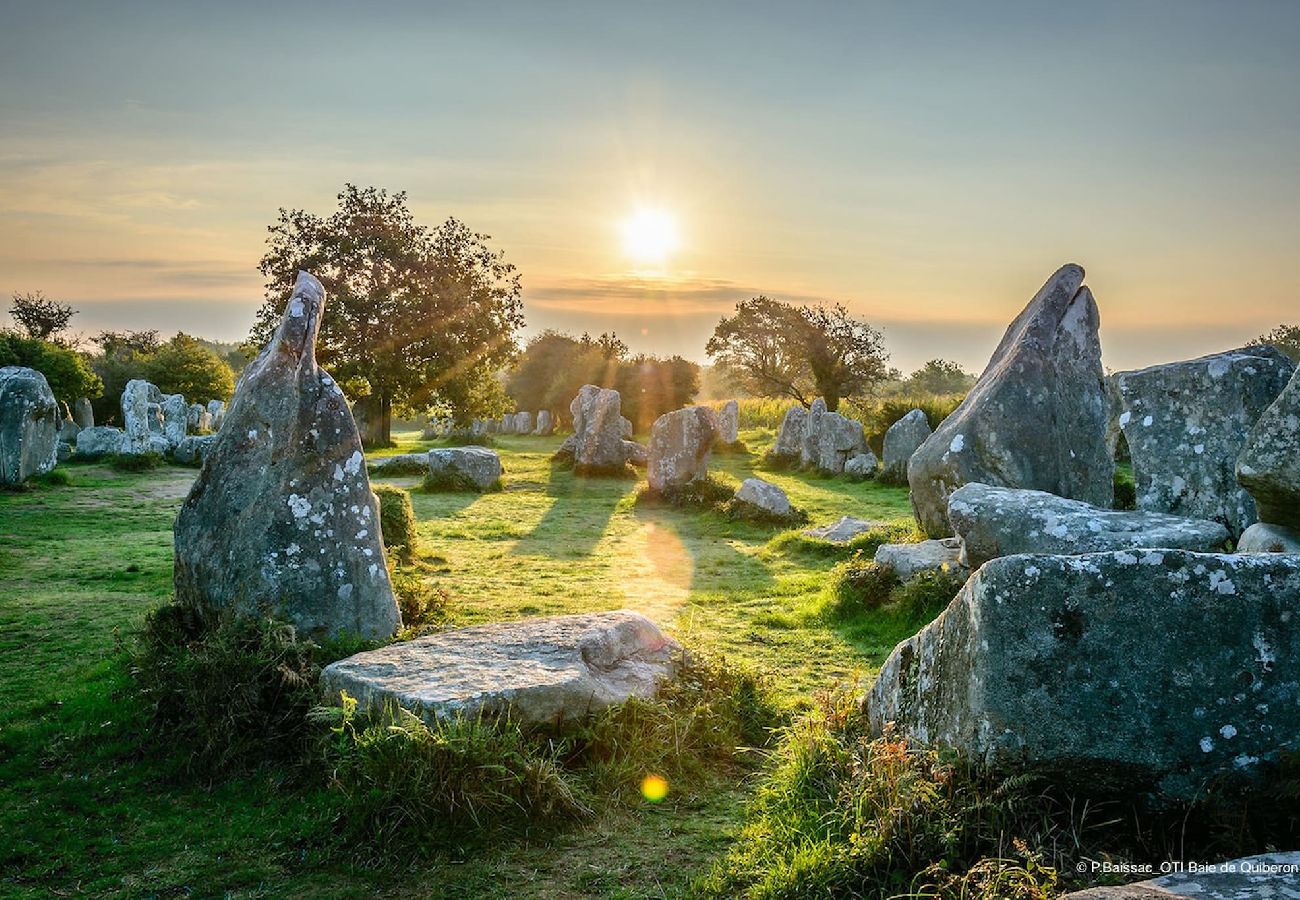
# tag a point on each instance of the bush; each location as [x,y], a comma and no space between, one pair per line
[419,602]
[450,481]
[778,462]
[54,478]
[859,585]
[927,594]
[397,521]
[898,532]
[709,492]
[231,692]
[738,510]
[405,467]
[135,462]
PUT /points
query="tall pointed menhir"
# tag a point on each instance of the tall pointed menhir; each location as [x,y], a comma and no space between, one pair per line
[281,520]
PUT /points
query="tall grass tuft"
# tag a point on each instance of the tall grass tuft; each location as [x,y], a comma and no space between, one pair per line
[397,522]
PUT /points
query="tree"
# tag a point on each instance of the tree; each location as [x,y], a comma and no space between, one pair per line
[69,374]
[426,317]
[940,376]
[40,317]
[184,365]
[775,349]
[1285,338]
[123,355]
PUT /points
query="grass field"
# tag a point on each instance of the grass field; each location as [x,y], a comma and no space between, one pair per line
[87,808]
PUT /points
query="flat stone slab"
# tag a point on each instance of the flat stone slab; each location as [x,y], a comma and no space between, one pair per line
[541,671]
[1269,876]
[998,521]
[935,555]
[844,529]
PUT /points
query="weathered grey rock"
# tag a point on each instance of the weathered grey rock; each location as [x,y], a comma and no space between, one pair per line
[1035,419]
[523,423]
[764,496]
[193,449]
[1264,538]
[625,427]
[996,521]
[1147,669]
[635,454]
[810,451]
[83,413]
[63,452]
[902,440]
[480,466]
[29,435]
[838,440]
[68,428]
[861,466]
[1187,422]
[281,518]
[789,439]
[192,413]
[141,415]
[729,423]
[934,555]
[401,464]
[176,414]
[100,440]
[1269,465]
[679,447]
[217,409]
[844,529]
[547,671]
[545,427]
[1268,876]
[597,440]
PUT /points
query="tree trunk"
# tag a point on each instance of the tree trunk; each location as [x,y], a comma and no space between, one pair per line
[385,429]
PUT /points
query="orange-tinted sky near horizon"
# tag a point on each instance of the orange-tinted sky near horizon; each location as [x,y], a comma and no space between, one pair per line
[926,166]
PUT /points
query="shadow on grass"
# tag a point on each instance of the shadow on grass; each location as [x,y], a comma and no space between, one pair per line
[702,541]
[577,518]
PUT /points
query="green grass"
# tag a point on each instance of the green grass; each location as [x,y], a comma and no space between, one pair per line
[87,804]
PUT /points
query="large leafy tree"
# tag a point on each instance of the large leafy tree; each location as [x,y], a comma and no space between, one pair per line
[775,349]
[40,317]
[69,374]
[184,365]
[940,376]
[421,317]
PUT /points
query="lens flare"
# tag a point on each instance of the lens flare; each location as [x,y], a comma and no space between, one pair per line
[654,788]
[649,236]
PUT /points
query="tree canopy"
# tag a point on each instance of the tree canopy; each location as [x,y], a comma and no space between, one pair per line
[940,376]
[69,374]
[776,349]
[181,365]
[1285,338]
[425,316]
[40,317]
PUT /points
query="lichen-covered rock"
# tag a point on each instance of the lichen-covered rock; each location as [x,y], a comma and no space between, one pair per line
[810,450]
[1269,465]
[625,427]
[141,415]
[281,519]
[1036,417]
[1268,876]
[523,422]
[29,434]
[83,413]
[789,438]
[545,426]
[100,440]
[596,444]
[996,521]
[844,529]
[1147,669]
[902,440]
[764,496]
[217,409]
[934,555]
[729,423]
[1265,538]
[176,416]
[861,466]
[64,451]
[679,447]
[838,440]
[544,671]
[193,449]
[478,466]
[1187,422]
[635,454]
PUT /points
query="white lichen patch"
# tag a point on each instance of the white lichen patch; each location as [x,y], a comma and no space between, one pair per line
[299,506]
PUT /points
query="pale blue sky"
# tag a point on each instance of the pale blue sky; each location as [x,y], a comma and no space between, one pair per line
[927,164]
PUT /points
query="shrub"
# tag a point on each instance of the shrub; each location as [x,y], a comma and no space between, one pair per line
[404,467]
[898,532]
[778,462]
[709,492]
[927,594]
[859,585]
[450,481]
[739,510]
[232,692]
[419,602]
[54,478]
[397,521]
[135,462]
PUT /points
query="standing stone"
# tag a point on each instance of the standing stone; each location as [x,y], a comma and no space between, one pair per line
[523,423]
[997,521]
[217,409]
[176,413]
[840,439]
[83,413]
[29,436]
[1035,419]
[1187,422]
[901,441]
[1149,668]
[68,427]
[810,452]
[191,451]
[138,419]
[679,447]
[625,428]
[281,519]
[597,440]
[729,423]
[1269,465]
[545,427]
[476,467]
[193,415]
[789,439]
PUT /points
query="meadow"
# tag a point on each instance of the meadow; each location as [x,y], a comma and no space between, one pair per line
[88,805]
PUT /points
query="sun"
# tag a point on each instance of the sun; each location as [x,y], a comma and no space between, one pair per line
[649,236]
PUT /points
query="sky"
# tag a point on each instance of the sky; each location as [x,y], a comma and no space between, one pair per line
[928,165]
